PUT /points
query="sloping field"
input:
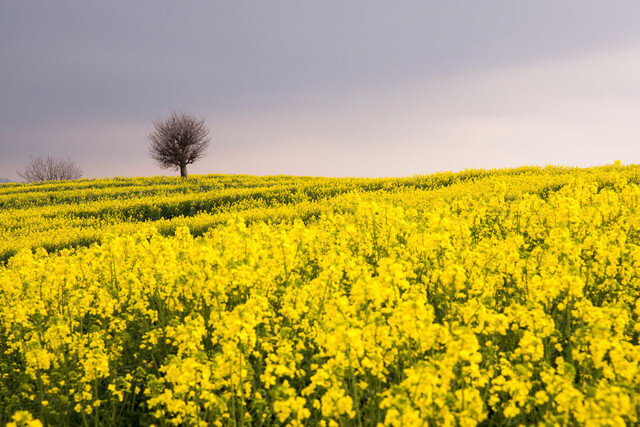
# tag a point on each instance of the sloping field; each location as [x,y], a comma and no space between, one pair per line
[500,297]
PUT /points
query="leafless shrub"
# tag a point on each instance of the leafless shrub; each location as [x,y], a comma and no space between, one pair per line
[178,141]
[50,169]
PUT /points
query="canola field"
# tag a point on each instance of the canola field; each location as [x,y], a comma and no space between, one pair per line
[490,297]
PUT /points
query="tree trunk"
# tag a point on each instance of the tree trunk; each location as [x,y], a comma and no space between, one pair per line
[183,171]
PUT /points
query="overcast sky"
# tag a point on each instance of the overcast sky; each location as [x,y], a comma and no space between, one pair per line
[337,88]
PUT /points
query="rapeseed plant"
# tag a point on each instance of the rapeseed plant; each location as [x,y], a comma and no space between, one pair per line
[484,297]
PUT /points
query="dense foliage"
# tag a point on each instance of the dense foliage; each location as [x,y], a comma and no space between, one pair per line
[499,297]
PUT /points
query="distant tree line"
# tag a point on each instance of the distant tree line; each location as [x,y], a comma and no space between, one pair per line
[50,169]
[176,142]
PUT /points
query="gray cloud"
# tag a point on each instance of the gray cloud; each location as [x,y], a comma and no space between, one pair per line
[333,87]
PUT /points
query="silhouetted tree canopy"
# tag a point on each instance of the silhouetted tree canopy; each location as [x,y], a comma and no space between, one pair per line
[50,169]
[178,141]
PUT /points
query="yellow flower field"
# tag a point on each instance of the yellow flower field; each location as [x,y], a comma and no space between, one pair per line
[500,297]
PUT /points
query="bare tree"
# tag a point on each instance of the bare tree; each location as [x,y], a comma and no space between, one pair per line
[178,141]
[50,169]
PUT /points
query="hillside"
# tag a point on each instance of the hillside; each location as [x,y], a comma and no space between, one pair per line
[485,296]
[67,214]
